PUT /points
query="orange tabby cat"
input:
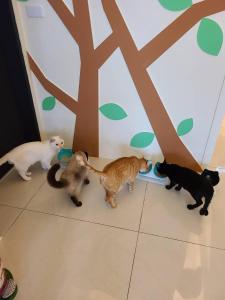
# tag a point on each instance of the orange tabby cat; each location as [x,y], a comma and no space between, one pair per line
[121,171]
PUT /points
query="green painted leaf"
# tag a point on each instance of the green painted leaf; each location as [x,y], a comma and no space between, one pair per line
[210,36]
[48,103]
[185,127]
[142,139]
[176,5]
[113,111]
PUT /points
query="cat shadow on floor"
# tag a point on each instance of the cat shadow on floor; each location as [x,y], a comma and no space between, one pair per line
[185,221]
[195,279]
[186,279]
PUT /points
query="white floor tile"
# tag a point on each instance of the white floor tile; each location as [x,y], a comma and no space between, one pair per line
[171,270]
[56,258]
[7,216]
[95,209]
[165,214]
[17,192]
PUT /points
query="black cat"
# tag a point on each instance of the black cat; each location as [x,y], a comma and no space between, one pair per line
[197,185]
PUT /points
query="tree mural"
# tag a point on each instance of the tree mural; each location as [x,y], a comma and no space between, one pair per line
[86,133]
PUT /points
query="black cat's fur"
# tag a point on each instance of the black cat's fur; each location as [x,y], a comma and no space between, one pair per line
[198,185]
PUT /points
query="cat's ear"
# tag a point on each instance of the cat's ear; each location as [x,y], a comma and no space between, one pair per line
[86,154]
[205,171]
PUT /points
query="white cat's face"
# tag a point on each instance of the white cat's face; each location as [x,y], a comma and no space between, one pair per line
[56,142]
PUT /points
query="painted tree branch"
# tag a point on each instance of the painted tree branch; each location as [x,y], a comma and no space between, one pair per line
[172,147]
[60,95]
[105,49]
[66,17]
[86,135]
[171,34]
[74,5]
[84,23]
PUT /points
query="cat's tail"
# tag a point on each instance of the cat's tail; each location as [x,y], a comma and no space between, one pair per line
[4,159]
[101,173]
[51,178]
[82,162]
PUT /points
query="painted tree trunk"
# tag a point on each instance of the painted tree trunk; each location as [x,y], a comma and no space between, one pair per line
[171,145]
[86,133]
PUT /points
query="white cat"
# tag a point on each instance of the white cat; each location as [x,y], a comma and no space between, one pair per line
[25,155]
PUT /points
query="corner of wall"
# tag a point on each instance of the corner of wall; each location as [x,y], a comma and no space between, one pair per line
[24,46]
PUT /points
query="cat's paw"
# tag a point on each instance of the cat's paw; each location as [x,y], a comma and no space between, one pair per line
[86,181]
[130,189]
[25,177]
[190,206]
[28,173]
[168,187]
[76,201]
[203,212]
[178,188]
[113,204]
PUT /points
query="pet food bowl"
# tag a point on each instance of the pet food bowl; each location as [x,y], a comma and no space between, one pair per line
[65,154]
[157,173]
[149,168]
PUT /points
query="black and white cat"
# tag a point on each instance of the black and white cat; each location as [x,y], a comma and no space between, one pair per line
[198,185]
[25,155]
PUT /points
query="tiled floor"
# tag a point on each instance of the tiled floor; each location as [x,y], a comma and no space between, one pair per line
[149,248]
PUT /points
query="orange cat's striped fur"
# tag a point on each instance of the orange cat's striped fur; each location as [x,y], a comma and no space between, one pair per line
[121,171]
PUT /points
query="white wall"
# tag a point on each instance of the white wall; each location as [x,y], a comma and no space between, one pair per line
[188,80]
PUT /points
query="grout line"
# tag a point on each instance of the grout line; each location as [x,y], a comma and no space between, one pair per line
[146,188]
[21,208]
[131,273]
[20,213]
[105,225]
[11,206]
[32,197]
[79,220]
[7,174]
[182,241]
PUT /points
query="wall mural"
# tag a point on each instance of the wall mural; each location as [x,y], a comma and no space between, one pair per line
[86,108]
[176,5]
[49,103]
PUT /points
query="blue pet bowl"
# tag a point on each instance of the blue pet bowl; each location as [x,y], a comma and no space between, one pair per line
[149,168]
[157,173]
[64,154]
